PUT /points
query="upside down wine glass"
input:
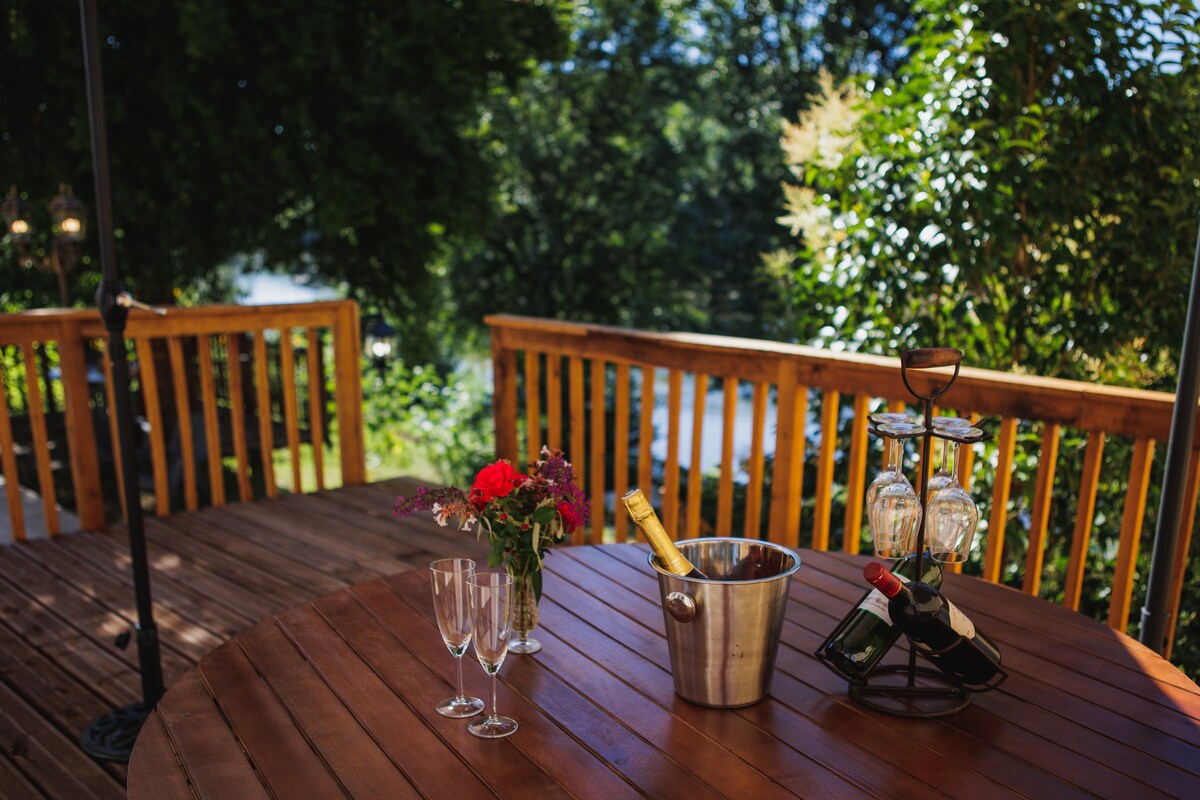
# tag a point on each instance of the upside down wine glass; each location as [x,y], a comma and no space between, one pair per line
[894,510]
[492,598]
[452,605]
[952,514]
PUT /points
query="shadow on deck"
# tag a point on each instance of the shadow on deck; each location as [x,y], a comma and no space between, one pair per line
[215,573]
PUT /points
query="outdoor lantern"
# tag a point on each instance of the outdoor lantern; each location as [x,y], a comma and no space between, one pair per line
[16,221]
[379,342]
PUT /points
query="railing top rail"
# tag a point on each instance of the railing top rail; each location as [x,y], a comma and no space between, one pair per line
[45,323]
[1117,410]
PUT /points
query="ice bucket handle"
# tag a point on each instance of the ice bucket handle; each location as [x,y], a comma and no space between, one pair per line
[680,606]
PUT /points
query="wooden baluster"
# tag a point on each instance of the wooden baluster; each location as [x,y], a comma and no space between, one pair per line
[266,433]
[554,401]
[347,393]
[621,452]
[8,461]
[646,437]
[148,377]
[41,439]
[183,410]
[695,476]
[1041,509]
[671,471]
[316,413]
[291,406]
[81,431]
[1180,562]
[212,429]
[110,411]
[728,459]
[1131,533]
[754,491]
[856,485]
[993,556]
[1085,512]
[788,478]
[829,421]
[504,402]
[533,412]
[237,413]
[576,423]
[598,451]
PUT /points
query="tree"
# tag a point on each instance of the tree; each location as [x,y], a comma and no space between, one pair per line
[1024,189]
[331,137]
[642,173]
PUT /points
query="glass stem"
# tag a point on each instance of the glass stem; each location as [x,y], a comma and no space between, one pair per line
[458,669]
[495,714]
[948,453]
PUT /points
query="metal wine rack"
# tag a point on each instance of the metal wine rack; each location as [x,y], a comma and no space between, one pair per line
[910,690]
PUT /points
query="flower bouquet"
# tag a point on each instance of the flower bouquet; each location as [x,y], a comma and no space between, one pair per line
[524,515]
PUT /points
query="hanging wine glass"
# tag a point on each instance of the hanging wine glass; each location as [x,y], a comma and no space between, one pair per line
[952,514]
[891,470]
[954,426]
[894,512]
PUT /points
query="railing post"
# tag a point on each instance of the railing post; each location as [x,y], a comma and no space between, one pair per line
[504,402]
[81,431]
[348,398]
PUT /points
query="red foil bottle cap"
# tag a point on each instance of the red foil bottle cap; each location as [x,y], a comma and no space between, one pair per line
[882,579]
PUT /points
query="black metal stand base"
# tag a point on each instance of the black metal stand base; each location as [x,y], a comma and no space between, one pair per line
[938,697]
[111,736]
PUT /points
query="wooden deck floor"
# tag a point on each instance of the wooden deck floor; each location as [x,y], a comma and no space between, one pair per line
[214,573]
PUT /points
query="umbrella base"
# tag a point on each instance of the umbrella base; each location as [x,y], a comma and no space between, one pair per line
[111,736]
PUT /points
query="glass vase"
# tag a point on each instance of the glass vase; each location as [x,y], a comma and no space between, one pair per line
[525,615]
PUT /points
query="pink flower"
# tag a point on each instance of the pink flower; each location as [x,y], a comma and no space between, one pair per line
[570,517]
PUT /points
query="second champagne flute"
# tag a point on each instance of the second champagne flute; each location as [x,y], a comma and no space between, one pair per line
[452,604]
[492,612]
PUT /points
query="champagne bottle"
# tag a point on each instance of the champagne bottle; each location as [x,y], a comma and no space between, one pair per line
[939,630]
[867,633]
[669,557]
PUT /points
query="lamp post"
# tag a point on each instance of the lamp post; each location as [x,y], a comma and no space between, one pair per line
[68,229]
[379,343]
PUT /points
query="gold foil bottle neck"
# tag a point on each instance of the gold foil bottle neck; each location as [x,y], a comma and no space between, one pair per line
[668,554]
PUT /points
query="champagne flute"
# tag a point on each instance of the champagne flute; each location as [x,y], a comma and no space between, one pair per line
[894,510]
[452,604]
[952,514]
[492,597]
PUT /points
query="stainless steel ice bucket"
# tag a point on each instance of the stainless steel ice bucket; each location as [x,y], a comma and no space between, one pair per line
[723,634]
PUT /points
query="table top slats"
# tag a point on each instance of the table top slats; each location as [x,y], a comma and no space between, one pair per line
[208,750]
[554,750]
[336,735]
[426,762]
[424,687]
[283,757]
[335,697]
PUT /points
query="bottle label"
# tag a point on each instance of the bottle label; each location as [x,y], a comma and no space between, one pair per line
[959,621]
[875,603]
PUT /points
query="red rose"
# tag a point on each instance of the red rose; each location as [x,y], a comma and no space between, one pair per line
[570,517]
[494,480]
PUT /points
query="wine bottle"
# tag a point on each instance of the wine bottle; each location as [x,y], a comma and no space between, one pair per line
[939,630]
[669,557]
[867,633]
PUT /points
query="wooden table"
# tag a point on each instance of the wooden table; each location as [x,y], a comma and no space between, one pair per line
[335,698]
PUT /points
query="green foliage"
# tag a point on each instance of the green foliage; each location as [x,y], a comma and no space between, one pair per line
[1022,190]
[416,417]
[329,137]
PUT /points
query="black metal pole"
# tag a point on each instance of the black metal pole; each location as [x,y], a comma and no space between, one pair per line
[1156,613]
[112,735]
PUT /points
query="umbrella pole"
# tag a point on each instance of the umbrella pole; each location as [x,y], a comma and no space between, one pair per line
[1156,612]
[111,736]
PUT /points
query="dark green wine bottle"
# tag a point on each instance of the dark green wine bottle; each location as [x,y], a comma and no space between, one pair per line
[861,639]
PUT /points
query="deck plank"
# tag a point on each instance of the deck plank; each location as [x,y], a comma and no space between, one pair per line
[214,573]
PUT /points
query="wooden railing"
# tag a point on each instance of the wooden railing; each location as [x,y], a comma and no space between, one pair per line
[223,375]
[610,375]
